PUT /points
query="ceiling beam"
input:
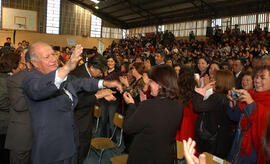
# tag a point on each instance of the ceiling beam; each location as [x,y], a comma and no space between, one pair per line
[101,14]
[222,11]
[109,6]
[148,12]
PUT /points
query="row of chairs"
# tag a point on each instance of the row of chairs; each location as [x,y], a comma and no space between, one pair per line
[100,145]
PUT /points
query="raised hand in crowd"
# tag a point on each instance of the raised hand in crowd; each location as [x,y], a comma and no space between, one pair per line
[232,101]
[142,96]
[75,57]
[146,81]
[209,85]
[113,84]
[189,153]
[128,98]
[72,63]
[206,79]
[107,94]
[124,80]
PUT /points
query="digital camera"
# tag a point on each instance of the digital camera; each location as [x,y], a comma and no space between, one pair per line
[235,94]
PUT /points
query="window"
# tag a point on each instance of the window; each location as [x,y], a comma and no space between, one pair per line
[53,16]
[161,28]
[125,33]
[0,12]
[216,22]
[95,26]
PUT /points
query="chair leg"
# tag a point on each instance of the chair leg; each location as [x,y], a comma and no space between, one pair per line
[100,156]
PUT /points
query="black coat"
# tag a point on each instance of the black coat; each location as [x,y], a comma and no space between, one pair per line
[19,133]
[86,102]
[217,121]
[154,123]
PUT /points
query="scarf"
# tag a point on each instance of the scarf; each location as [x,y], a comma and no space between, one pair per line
[258,121]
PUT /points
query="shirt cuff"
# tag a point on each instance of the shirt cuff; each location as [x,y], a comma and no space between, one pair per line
[100,84]
[58,81]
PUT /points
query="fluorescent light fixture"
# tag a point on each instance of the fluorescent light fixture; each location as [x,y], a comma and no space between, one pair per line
[95,1]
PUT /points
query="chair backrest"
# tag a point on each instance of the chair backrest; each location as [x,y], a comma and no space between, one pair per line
[97,111]
[118,120]
[211,159]
[179,149]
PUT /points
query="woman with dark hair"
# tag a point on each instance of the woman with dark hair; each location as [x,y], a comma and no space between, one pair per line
[137,84]
[109,108]
[214,129]
[154,122]
[202,69]
[9,63]
[186,86]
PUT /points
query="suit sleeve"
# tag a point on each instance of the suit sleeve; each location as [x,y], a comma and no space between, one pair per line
[84,84]
[39,87]
[135,119]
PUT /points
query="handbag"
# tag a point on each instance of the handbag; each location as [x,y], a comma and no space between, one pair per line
[202,132]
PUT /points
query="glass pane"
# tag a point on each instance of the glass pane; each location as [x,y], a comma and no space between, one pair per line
[53,16]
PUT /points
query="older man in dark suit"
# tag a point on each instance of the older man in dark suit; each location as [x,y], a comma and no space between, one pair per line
[94,67]
[51,97]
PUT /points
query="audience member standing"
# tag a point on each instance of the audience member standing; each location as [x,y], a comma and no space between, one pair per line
[19,132]
[154,122]
[9,63]
[238,68]
[186,84]
[214,129]
[251,112]
[108,109]
[94,68]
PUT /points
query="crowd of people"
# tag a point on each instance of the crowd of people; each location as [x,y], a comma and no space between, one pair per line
[214,92]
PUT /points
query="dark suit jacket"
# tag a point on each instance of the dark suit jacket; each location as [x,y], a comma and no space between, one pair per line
[84,108]
[4,103]
[51,110]
[19,133]
[154,123]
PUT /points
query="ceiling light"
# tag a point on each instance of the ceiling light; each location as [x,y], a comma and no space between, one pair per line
[95,1]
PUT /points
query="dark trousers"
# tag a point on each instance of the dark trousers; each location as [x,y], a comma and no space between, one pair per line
[20,157]
[4,153]
[84,146]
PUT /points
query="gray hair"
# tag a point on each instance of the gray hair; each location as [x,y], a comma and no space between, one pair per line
[32,50]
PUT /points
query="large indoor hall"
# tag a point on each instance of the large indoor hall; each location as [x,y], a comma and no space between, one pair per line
[134,81]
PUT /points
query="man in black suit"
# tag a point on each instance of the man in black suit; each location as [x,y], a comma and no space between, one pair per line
[19,133]
[238,68]
[94,67]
